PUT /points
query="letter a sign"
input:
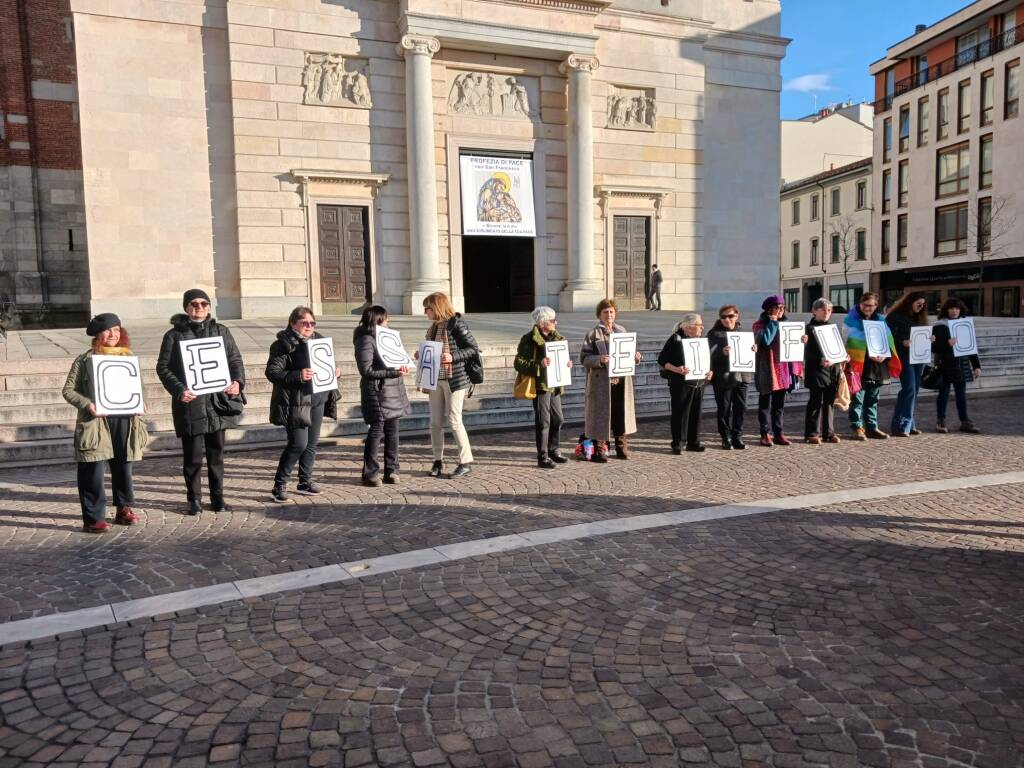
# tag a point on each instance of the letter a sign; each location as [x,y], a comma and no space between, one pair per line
[206,365]
[118,385]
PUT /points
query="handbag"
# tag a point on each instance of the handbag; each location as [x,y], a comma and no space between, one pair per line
[228,405]
[843,396]
[853,381]
[475,369]
[525,387]
[931,377]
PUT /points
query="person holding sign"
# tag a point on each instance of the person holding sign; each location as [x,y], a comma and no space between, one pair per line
[773,378]
[382,396]
[910,310]
[447,399]
[115,440]
[200,419]
[868,372]
[682,367]
[956,371]
[821,375]
[534,359]
[730,386]
[609,400]
[294,405]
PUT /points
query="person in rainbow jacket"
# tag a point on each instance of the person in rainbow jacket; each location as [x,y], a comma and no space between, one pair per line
[866,375]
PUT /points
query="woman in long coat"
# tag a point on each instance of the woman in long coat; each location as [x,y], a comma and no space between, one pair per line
[382,397]
[956,371]
[773,378]
[609,401]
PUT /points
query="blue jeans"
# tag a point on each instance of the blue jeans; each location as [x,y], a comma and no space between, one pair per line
[910,383]
[864,408]
[960,390]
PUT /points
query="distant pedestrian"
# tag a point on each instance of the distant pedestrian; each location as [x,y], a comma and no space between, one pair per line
[730,388]
[687,395]
[822,380]
[115,440]
[532,360]
[654,289]
[868,373]
[774,379]
[956,371]
[910,310]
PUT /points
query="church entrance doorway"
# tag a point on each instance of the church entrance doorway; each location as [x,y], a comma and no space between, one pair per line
[497,273]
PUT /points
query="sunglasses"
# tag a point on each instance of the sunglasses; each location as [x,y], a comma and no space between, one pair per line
[198,304]
[727,317]
[307,323]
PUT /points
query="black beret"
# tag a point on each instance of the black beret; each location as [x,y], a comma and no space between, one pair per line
[102,323]
[195,293]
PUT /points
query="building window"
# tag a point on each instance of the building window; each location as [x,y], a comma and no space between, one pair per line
[862,195]
[988,97]
[954,170]
[984,224]
[834,257]
[921,65]
[796,254]
[1012,104]
[862,245]
[969,296]
[886,191]
[814,207]
[942,125]
[845,296]
[903,184]
[796,212]
[1009,29]
[890,83]
[1006,302]
[901,238]
[884,250]
[814,251]
[963,106]
[886,139]
[792,299]
[835,202]
[951,230]
[985,179]
[922,122]
[904,128]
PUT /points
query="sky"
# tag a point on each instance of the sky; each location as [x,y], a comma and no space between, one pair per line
[834,42]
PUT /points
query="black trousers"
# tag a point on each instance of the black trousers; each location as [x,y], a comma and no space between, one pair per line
[192,449]
[91,494]
[820,412]
[386,430]
[732,408]
[769,411]
[547,421]
[618,413]
[301,448]
[686,405]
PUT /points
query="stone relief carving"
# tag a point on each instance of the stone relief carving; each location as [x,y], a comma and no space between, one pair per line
[633,108]
[491,95]
[331,80]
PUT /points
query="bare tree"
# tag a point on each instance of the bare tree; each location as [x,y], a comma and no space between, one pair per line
[845,228]
[990,225]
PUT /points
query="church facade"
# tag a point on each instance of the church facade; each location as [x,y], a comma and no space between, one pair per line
[508,152]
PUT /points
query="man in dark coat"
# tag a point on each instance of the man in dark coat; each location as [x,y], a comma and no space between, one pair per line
[200,420]
[654,292]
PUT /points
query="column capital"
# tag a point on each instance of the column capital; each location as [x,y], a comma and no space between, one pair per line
[418,44]
[580,62]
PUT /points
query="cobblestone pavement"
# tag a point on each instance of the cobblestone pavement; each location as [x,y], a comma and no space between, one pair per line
[888,636]
[49,565]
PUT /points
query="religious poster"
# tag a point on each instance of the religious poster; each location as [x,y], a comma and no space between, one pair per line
[390,349]
[558,373]
[830,342]
[877,334]
[497,196]
[791,345]
[206,365]
[920,345]
[321,361]
[429,364]
[621,354]
[118,385]
[965,342]
[697,356]
[742,358]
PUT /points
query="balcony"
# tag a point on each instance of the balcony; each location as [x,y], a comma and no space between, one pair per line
[964,58]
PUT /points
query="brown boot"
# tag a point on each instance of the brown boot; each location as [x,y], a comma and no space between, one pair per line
[621,447]
[600,452]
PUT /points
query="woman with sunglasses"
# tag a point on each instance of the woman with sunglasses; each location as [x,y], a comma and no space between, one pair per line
[294,405]
[200,420]
[730,388]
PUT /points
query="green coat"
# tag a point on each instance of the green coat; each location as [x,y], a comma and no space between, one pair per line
[531,353]
[92,433]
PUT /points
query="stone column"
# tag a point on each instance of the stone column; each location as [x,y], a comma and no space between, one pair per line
[424,265]
[584,287]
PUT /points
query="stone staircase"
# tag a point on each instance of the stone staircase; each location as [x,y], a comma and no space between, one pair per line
[36,424]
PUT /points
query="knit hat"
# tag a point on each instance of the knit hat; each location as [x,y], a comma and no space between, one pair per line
[195,293]
[773,301]
[102,323]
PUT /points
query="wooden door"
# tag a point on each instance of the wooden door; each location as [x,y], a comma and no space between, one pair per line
[630,238]
[344,256]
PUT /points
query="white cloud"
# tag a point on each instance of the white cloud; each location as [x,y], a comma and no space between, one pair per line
[809,83]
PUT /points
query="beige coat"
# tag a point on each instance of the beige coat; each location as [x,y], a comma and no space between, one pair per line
[599,398]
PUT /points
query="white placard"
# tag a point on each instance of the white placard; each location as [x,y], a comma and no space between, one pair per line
[961,331]
[621,354]
[390,349]
[206,365]
[791,348]
[429,364]
[697,356]
[742,358]
[830,342]
[920,345]
[117,383]
[321,360]
[877,334]
[558,373]
[497,196]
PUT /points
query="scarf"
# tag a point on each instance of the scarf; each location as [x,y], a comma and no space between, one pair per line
[857,343]
[441,329]
[117,351]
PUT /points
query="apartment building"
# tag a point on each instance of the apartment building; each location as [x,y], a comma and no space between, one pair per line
[826,236]
[948,161]
[836,135]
